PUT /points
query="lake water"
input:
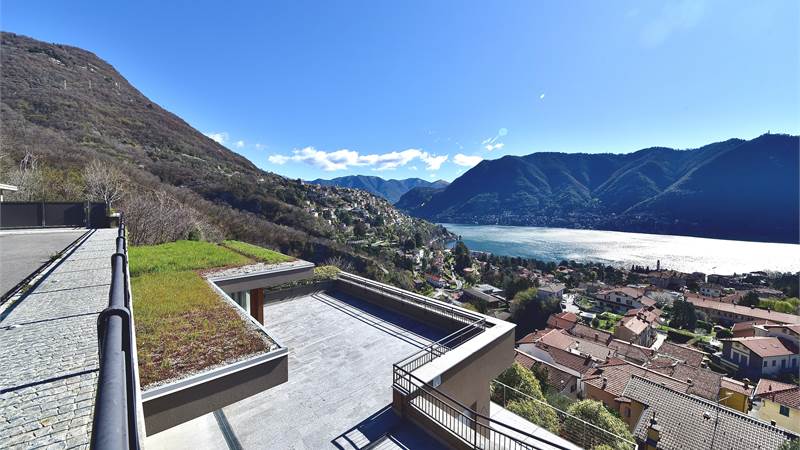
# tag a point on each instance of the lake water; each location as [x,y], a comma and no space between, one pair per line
[687,254]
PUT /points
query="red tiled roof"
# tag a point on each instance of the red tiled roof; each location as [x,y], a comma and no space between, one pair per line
[764,347]
[531,338]
[590,333]
[746,311]
[704,383]
[688,355]
[631,351]
[783,393]
[557,339]
[617,373]
[580,364]
[555,377]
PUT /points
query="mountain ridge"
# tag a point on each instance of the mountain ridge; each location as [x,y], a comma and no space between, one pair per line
[654,190]
[390,189]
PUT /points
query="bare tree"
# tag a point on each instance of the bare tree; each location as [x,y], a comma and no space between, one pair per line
[154,217]
[28,178]
[104,182]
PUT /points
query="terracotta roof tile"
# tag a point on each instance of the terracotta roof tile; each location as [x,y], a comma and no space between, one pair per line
[764,347]
[688,355]
[688,421]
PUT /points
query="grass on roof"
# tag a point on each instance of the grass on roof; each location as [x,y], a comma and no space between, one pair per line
[258,253]
[181,255]
[183,326]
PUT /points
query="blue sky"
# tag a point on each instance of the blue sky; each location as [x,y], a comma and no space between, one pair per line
[428,88]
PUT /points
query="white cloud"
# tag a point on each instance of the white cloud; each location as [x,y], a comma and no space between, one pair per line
[239,144]
[260,146]
[278,159]
[673,17]
[219,138]
[492,143]
[344,158]
[541,96]
[432,176]
[466,160]
[498,146]
[414,168]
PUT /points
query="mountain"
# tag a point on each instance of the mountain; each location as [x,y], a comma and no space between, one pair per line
[391,190]
[417,197]
[734,189]
[67,107]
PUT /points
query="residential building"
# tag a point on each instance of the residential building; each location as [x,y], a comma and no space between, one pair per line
[747,329]
[563,320]
[631,352]
[710,289]
[669,419]
[606,383]
[730,313]
[778,403]
[593,334]
[551,291]
[667,279]
[435,281]
[638,326]
[755,357]
[735,394]
[702,382]
[621,299]
[560,378]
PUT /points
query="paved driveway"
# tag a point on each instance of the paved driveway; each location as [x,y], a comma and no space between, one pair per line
[23,251]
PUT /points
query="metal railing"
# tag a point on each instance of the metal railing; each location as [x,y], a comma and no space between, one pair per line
[473,429]
[442,346]
[114,425]
[421,301]
[570,427]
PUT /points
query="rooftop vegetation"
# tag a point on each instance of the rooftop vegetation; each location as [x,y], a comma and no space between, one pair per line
[258,253]
[182,255]
[182,324]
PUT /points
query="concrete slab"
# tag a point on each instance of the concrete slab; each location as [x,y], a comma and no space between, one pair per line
[341,352]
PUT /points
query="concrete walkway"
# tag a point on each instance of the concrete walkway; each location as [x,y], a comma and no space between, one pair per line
[48,351]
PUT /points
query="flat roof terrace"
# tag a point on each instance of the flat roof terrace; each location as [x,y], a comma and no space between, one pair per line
[339,393]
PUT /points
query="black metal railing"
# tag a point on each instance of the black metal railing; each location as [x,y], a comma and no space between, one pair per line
[474,429]
[453,312]
[442,346]
[115,410]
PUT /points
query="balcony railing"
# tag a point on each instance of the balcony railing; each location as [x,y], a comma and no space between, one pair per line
[442,346]
[473,429]
[114,425]
[571,428]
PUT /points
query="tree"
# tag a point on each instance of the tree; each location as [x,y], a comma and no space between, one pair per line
[790,444]
[530,312]
[461,254]
[683,315]
[105,182]
[596,414]
[750,299]
[360,229]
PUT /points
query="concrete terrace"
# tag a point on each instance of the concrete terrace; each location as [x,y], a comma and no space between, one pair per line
[29,249]
[339,392]
[48,350]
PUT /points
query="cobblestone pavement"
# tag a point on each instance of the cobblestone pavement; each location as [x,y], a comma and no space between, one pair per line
[48,351]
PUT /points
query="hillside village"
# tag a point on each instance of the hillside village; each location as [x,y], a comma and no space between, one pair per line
[728,340]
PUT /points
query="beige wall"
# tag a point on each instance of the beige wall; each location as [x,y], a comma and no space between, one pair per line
[770,411]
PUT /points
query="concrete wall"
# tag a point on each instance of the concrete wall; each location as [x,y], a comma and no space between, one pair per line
[169,406]
[386,302]
[468,381]
[263,280]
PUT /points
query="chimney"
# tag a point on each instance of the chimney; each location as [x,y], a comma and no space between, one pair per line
[658,265]
[605,382]
[653,434]
[689,381]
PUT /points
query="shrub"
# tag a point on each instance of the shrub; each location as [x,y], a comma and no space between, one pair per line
[595,413]
[520,379]
[537,412]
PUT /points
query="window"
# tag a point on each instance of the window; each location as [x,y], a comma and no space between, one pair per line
[783,364]
[765,364]
[784,410]
[794,362]
[627,412]
[773,363]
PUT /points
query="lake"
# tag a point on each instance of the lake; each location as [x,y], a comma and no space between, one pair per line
[683,253]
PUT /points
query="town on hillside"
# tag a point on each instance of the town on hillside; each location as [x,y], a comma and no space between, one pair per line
[590,331]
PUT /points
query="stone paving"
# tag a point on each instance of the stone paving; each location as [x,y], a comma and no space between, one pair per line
[341,352]
[48,351]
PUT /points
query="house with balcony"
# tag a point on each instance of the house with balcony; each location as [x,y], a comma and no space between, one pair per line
[553,291]
[621,299]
